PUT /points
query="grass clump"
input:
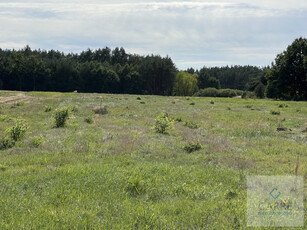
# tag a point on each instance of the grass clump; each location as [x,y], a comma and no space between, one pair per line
[2,167]
[89,120]
[142,102]
[212,102]
[61,115]
[192,147]
[37,141]
[135,186]
[163,124]
[100,110]
[192,125]
[6,143]
[283,106]
[18,131]
[47,108]
[274,112]
[192,103]
[138,98]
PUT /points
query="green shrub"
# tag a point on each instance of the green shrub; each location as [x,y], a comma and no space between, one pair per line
[37,141]
[89,120]
[20,103]
[178,119]
[273,112]
[191,124]
[213,92]
[61,115]
[142,102]
[6,143]
[192,147]
[2,167]
[138,98]
[212,102]
[192,103]
[74,108]
[18,131]
[47,108]
[5,118]
[283,106]
[100,110]
[163,124]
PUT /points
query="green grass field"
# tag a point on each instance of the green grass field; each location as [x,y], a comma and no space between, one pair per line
[117,173]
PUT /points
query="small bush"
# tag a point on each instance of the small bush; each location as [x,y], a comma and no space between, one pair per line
[212,102]
[37,141]
[192,103]
[138,98]
[18,131]
[2,167]
[6,143]
[283,106]
[89,120]
[249,106]
[61,115]
[192,147]
[273,112]
[47,108]
[178,119]
[228,108]
[101,110]
[191,124]
[5,118]
[20,103]
[74,109]
[163,124]
[142,102]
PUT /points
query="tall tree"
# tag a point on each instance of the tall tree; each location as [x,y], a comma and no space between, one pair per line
[287,78]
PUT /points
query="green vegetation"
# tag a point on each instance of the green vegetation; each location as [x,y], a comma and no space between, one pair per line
[163,124]
[120,174]
[60,116]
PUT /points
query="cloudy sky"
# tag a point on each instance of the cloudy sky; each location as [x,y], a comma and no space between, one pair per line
[192,33]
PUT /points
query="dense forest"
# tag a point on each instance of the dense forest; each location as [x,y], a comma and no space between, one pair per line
[115,71]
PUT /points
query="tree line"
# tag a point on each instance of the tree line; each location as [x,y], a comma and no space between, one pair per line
[115,71]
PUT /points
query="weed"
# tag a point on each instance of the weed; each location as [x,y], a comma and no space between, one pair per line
[20,103]
[274,112]
[37,141]
[89,119]
[191,124]
[2,167]
[192,147]
[211,102]
[61,115]
[5,118]
[47,108]
[6,143]
[163,124]
[142,102]
[135,186]
[283,106]
[178,119]
[192,103]
[18,131]
[138,98]
[228,108]
[249,106]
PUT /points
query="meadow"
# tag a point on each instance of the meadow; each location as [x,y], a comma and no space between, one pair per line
[113,171]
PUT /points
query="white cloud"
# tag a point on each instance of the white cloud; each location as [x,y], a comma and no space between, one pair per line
[208,32]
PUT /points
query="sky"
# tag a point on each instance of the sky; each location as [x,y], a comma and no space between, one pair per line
[193,33]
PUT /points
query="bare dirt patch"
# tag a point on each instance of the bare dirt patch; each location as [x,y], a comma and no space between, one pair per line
[20,97]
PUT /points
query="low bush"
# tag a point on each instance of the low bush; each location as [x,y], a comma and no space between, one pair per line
[61,115]
[273,112]
[18,131]
[37,141]
[191,124]
[89,120]
[192,147]
[213,92]
[163,124]
[6,143]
